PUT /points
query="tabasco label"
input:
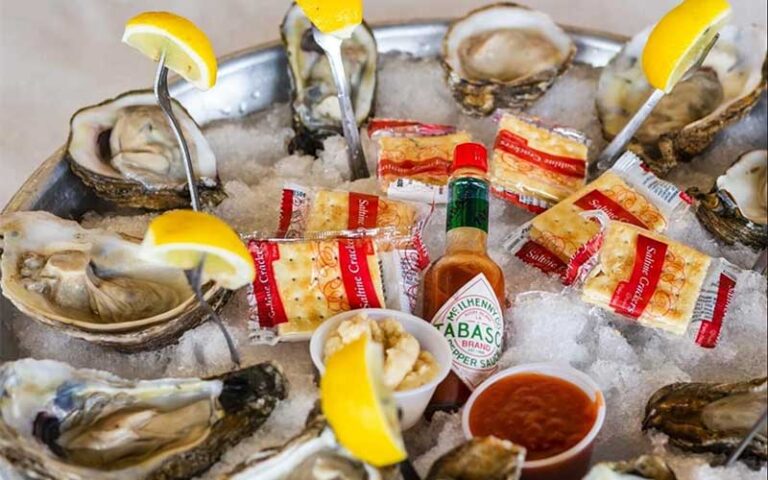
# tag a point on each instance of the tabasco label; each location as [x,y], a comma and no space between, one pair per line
[472,322]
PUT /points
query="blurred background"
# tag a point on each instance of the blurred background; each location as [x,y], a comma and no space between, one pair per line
[59,55]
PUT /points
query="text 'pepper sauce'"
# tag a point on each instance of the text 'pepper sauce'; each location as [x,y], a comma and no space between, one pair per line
[544,414]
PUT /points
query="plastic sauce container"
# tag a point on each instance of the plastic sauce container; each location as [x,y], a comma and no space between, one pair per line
[411,403]
[573,463]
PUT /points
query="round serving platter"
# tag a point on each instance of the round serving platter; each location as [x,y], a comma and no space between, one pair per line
[249,81]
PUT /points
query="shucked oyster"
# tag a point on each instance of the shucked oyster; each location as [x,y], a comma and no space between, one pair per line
[58,423]
[125,150]
[646,467]
[503,56]
[736,210]
[686,121]
[316,108]
[710,417]
[485,458]
[91,284]
[312,455]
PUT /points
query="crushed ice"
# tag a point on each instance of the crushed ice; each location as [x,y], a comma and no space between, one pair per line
[544,323]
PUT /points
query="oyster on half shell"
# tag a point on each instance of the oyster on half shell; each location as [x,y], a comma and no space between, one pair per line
[482,458]
[314,101]
[736,209]
[61,423]
[503,56]
[93,285]
[711,417]
[125,150]
[685,122]
[646,467]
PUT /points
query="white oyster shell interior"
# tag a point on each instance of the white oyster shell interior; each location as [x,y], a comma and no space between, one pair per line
[121,429]
[142,147]
[747,183]
[54,269]
[506,44]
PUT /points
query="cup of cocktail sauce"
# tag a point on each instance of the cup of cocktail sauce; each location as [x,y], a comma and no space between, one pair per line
[554,411]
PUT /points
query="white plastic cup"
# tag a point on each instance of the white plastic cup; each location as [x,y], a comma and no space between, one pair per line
[412,403]
[572,463]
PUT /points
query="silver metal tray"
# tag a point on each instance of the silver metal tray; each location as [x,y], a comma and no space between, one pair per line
[249,80]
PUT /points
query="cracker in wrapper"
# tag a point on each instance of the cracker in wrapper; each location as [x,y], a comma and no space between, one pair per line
[534,165]
[306,210]
[647,277]
[627,193]
[414,158]
[660,283]
[300,283]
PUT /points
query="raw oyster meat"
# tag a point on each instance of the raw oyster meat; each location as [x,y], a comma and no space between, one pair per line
[312,455]
[736,210]
[711,417]
[503,56]
[125,150]
[646,467]
[58,422]
[685,122]
[316,108]
[485,458]
[92,284]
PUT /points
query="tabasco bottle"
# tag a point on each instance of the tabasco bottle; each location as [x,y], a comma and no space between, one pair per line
[464,289]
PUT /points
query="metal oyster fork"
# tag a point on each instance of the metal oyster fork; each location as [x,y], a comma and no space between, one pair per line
[195,275]
[331,44]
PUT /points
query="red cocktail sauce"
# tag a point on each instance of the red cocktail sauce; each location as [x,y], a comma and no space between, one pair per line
[544,414]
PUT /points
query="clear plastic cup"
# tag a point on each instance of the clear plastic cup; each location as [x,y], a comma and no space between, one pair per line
[572,464]
[412,403]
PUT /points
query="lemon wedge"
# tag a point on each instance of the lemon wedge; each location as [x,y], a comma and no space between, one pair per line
[359,407]
[679,38]
[188,51]
[180,238]
[333,16]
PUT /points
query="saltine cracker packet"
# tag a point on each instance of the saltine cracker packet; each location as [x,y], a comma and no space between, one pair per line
[563,239]
[300,283]
[413,158]
[311,210]
[535,165]
[660,283]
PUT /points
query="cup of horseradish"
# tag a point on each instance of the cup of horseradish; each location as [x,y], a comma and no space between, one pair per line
[552,410]
[423,354]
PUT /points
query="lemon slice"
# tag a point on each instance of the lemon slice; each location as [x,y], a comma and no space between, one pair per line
[679,38]
[188,51]
[180,238]
[333,16]
[359,407]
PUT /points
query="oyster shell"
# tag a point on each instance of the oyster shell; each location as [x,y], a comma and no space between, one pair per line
[486,458]
[91,284]
[316,109]
[503,56]
[645,467]
[124,149]
[312,455]
[686,121]
[58,422]
[736,209]
[710,417]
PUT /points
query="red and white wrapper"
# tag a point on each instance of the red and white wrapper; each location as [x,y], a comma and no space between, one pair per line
[310,211]
[402,174]
[665,196]
[714,301]
[313,278]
